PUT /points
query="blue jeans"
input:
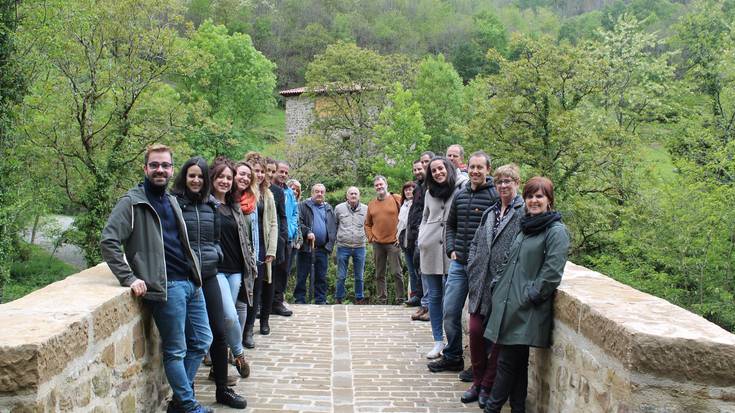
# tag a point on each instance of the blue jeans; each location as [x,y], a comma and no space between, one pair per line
[358,267]
[229,285]
[455,294]
[185,336]
[427,290]
[303,267]
[414,277]
[436,293]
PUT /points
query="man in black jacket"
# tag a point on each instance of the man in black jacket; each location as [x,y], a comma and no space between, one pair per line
[419,291]
[465,215]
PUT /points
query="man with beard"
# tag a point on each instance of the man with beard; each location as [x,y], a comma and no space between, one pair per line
[412,232]
[381,229]
[146,246]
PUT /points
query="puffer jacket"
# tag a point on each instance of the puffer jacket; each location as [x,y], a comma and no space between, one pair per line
[203,228]
[465,215]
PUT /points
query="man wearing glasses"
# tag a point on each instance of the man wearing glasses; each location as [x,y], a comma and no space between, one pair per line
[146,246]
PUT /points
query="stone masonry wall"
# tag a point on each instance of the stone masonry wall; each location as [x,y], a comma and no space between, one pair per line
[81,344]
[616,349]
[299,116]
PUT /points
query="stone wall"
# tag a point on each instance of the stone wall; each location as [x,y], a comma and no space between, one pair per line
[81,344]
[299,116]
[616,349]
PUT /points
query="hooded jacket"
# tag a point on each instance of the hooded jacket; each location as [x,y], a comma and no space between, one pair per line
[132,243]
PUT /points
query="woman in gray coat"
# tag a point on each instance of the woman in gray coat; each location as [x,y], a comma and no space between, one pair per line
[522,299]
[488,254]
[441,185]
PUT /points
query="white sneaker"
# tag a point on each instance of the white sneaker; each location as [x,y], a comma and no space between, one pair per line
[436,351]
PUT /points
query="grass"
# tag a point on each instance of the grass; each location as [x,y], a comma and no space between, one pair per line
[36,269]
[272,125]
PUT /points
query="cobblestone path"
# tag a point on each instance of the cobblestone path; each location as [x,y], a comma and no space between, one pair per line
[343,359]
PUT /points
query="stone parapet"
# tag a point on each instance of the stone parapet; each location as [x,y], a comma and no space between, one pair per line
[81,344]
[616,349]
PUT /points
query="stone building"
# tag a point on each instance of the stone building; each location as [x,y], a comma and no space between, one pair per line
[303,108]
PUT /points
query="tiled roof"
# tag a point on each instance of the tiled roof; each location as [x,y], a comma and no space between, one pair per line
[299,90]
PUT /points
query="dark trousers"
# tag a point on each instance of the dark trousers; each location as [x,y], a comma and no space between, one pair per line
[262,298]
[483,353]
[511,380]
[216,314]
[303,266]
[280,277]
[414,276]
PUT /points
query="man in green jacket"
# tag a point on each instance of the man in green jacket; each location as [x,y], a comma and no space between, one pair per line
[145,244]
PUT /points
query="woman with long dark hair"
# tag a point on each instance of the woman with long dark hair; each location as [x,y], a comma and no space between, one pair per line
[441,184]
[235,270]
[192,189]
[522,299]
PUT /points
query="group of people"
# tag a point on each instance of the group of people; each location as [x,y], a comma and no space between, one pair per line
[472,238]
[214,253]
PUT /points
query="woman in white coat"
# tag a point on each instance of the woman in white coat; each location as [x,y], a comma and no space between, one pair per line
[441,185]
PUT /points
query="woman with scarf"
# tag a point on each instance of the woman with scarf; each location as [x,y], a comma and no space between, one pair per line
[267,245]
[488,254]
[237,267]
[522,298]
[249,195]
[441,184]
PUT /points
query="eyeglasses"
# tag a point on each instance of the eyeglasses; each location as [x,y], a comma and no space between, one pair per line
[505,182]
[155,165]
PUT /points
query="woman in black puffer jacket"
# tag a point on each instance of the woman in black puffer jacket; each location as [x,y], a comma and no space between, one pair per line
[192,189]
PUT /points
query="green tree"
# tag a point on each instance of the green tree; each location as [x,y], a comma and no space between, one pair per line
[439,92]
[400,136]
[14,192]
[99,98]
[228,83]
[487,33]
[349,85]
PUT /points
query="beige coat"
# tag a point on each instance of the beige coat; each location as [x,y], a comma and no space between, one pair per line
[269,230]
[432,234]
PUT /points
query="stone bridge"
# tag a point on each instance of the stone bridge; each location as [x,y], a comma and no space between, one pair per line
[84,344]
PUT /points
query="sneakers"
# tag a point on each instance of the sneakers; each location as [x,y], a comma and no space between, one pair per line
[242,366]
[201,409]
[421,311]
[231,380]
[229,398]
[466,375]
[446,365]
[282,310]
[436,351]
[483,397]
[471,395]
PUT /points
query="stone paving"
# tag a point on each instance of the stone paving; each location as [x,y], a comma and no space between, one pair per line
[343,359]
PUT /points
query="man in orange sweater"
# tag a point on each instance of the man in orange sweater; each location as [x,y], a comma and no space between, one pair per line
[381,227]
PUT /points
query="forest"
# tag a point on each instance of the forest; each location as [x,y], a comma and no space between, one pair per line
[628,106]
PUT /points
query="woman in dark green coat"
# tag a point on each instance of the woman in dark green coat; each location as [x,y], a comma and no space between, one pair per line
[522,300]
